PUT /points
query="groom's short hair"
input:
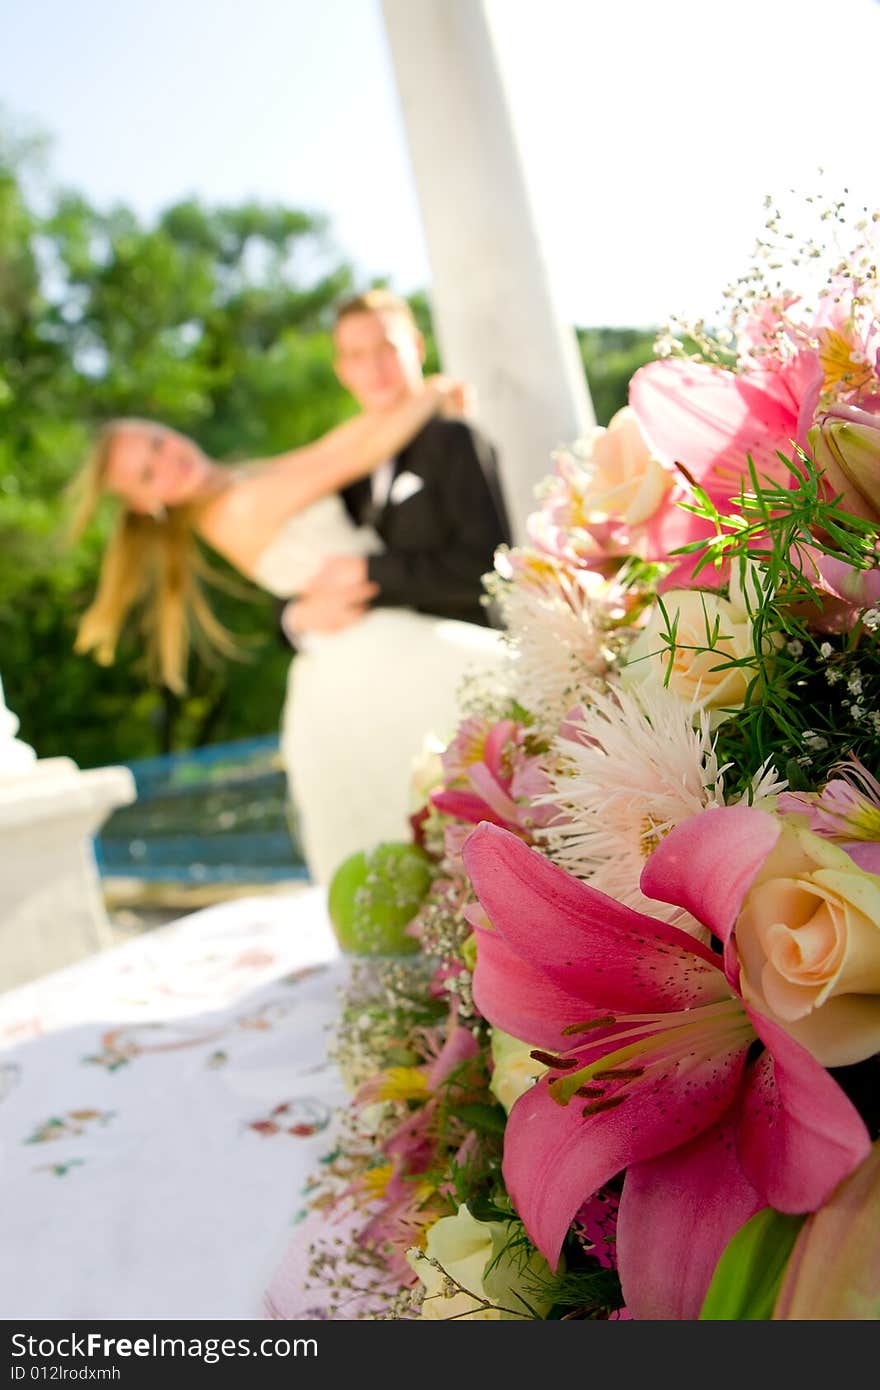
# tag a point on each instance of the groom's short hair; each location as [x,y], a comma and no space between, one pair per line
[376,301]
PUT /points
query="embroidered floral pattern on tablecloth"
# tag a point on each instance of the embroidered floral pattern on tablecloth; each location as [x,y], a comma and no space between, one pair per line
[301,1117]
[60,1170]
[71,1125]
[121,1045]
[185,1038]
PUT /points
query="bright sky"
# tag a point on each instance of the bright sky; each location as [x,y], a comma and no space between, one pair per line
[649,132]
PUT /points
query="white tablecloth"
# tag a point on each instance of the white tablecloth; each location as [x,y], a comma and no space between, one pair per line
[161,1107]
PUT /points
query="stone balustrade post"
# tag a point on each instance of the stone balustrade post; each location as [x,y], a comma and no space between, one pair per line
[52,909]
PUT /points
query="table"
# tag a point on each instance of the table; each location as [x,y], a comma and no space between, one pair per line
[161,1107]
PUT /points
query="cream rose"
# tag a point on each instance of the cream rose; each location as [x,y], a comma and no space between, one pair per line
[710,632]
[626,480]
[514,1069]
[808,940]
[477,1256]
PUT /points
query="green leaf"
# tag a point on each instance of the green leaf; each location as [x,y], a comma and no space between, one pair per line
[469,952]
[488,1119]
[797,779]
[748,1276]
[483,1207]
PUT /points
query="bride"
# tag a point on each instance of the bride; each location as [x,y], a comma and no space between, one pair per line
[360,701]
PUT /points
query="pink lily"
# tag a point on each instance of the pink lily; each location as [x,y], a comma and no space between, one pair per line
[650,1050]
[709,419]
[596,1227]
[497,780]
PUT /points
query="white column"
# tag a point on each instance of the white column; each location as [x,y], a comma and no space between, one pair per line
[496,323]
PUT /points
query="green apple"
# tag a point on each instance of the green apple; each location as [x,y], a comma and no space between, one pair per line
[374,894]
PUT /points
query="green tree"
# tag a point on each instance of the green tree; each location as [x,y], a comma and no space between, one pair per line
[610,357]
[215,321]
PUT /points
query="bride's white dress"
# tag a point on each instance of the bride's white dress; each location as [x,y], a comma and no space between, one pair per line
[362,704]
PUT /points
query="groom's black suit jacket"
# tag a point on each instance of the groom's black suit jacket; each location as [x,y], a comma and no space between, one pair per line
[443,520]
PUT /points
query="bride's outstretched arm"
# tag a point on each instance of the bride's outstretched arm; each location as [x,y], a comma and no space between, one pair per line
[242,520]
[354,448]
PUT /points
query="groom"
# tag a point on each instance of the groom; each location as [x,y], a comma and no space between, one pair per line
[438,505]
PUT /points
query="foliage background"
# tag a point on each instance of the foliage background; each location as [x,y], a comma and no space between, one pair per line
[215,320]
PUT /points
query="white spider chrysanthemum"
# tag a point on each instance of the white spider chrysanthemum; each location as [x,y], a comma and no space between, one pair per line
[645,764]
[557,623]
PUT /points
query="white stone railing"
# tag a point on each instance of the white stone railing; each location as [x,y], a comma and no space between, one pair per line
[52,909]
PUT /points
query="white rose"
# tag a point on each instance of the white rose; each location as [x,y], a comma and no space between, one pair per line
[426,773]
[514,1068]
[477,1256]
[710,633]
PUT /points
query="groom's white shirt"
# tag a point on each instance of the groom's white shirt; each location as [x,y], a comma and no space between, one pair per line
[380,483]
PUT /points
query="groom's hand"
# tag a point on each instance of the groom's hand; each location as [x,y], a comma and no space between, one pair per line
[325,612]
[341,574]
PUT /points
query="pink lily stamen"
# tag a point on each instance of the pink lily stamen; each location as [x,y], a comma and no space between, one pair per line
[713,1027]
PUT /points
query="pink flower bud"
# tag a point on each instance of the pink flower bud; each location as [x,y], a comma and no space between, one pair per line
[845,443]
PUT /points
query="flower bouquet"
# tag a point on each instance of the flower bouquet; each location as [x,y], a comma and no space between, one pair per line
[634,1069]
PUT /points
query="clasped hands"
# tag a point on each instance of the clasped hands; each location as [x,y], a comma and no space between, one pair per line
[340,591]
[334,598]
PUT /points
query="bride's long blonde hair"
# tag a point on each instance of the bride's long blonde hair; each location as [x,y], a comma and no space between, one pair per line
[154,561]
